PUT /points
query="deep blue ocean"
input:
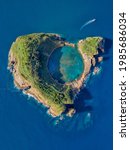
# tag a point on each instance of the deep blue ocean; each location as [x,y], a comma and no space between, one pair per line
[24,124]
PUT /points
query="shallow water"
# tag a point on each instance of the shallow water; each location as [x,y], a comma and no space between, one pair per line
[66,64]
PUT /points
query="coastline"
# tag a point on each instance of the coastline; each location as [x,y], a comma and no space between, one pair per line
[78,83]
[27,87]
[21,83]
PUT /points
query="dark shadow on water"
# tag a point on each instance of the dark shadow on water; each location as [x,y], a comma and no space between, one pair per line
[54,61]
[105,54]
[105,58]
[85,95]
[81,101]
[108,45]
[65,66]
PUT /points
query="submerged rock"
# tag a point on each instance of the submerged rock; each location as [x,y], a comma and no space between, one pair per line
[100,59]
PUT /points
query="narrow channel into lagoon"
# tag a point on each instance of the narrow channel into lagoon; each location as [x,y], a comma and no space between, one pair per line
[65,64]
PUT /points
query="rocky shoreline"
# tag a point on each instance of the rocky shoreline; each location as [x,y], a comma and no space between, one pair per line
[22,84]
[77,84]
[28,89]
[88,63]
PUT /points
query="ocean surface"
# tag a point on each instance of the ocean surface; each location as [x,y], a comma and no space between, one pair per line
[25,124]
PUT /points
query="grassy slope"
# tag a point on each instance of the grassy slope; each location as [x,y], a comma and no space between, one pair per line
[32,52]
[90,45]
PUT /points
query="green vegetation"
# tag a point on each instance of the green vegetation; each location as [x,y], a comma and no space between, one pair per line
[90,45]
[32,53]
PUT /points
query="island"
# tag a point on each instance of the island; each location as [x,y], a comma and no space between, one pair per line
[28,59]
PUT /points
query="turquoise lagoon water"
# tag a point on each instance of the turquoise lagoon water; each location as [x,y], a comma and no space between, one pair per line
[66,64]
[24,124]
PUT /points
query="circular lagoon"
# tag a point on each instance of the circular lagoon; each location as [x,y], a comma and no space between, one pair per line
[65,64]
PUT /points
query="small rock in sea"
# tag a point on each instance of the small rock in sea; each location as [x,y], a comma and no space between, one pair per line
[96,70]
[71,112]
[93,61]
[61,117]
[100,59]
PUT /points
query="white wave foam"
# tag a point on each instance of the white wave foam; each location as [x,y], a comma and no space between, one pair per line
[87,23]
